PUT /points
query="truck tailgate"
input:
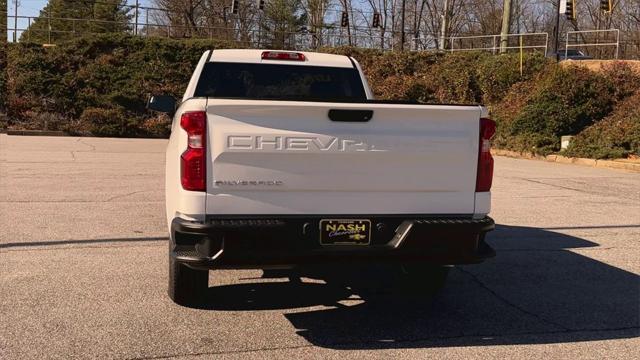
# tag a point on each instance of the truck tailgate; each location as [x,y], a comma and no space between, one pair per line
[289,157]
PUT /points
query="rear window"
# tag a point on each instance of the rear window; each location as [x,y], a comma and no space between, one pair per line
[279,82]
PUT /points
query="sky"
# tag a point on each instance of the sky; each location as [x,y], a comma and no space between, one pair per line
[25,8]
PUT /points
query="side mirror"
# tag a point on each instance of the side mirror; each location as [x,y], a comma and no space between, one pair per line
[162,103]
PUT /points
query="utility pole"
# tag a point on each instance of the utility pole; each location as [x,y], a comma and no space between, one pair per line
[518,14]
[443,28]
[135,30]
[4,32]
[506,26]
[402,26]
[556,32]
[4,26]
[15,23]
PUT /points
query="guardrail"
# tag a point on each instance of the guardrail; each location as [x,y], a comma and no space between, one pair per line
[493,42]
[581,33]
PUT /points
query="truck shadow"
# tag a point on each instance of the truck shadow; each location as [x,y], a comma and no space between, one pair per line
[535,291]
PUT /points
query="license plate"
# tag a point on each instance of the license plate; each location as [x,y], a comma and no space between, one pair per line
[345,232]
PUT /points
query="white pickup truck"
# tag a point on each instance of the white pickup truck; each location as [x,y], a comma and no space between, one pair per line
[279,159]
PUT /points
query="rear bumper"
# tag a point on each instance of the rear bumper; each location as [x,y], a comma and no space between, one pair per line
[275,241]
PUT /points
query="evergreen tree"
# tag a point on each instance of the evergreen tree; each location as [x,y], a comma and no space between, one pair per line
[93,16]
[283,19]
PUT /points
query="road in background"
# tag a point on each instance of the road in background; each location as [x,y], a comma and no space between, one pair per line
[83,272]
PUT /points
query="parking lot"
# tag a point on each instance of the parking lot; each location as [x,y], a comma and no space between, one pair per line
[83,271]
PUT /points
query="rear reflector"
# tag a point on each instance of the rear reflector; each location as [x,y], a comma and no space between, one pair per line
[485,160]
[282,55]
[193,170]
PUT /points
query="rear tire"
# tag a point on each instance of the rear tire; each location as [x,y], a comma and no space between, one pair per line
[424,279]
[187,286]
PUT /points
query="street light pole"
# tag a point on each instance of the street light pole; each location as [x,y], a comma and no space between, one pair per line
[401,25]
[556,33]
[443,28]
[15,23]
[506,26]
[135,31]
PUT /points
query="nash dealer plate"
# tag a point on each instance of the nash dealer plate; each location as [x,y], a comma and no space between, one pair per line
[345,232]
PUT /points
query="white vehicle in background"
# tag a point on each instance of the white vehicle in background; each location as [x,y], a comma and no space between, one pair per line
[279,159]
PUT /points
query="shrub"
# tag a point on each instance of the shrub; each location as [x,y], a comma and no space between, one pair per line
[395,75]
[497,74]
[99,85]
[454,78]
[115,74]
[564,102]
[159,126]
[108,122]
[101,75]
[624,78]
[618,135]
[44,121]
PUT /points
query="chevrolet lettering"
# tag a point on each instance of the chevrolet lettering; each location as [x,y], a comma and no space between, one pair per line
[296,143]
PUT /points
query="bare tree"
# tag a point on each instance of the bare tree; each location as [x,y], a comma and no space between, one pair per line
[346,7]
[457,18]
[316,12]
[387,10]
[183,16]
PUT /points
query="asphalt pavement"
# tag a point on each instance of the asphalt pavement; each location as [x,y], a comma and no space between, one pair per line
[83,272]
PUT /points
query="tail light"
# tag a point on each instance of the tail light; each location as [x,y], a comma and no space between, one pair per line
[193,170]
[282,55]
[485,160]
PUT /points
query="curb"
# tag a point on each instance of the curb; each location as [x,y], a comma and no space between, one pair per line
[62,133]
[620,164]
[35,133]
